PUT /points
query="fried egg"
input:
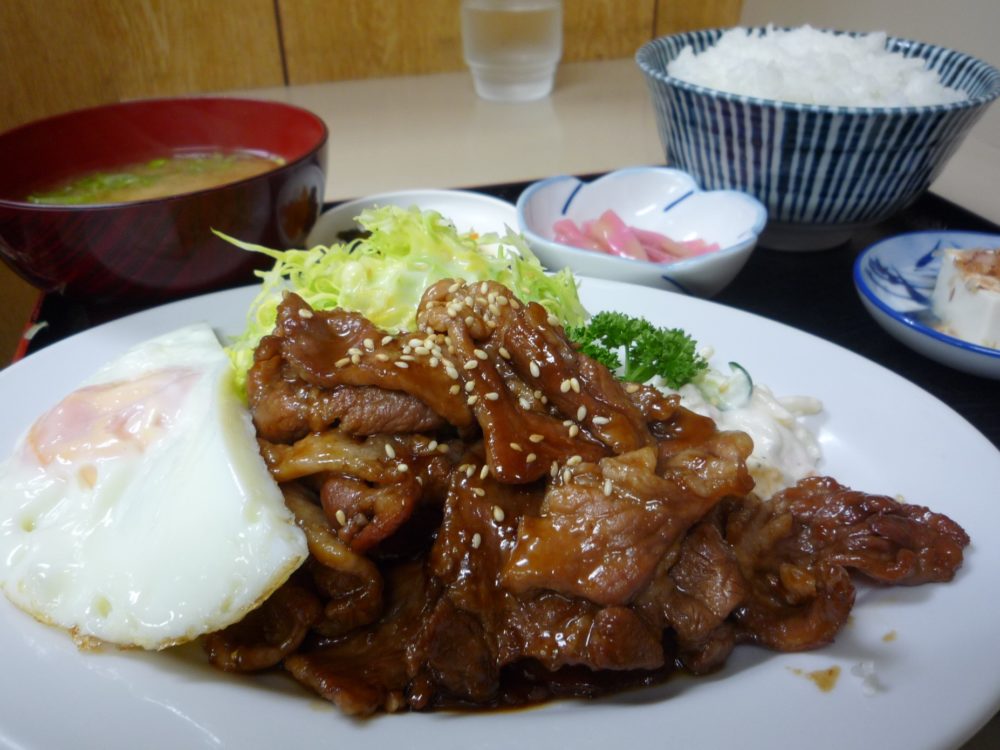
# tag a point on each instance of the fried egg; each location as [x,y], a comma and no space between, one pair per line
[138,511]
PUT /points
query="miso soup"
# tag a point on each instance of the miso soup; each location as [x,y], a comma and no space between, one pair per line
[158,178]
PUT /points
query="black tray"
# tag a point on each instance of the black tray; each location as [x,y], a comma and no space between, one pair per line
[812,291]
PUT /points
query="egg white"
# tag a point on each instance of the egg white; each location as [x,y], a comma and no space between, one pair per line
[139,511]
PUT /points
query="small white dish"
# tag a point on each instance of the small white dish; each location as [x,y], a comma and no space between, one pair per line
[895,278]
[658,199]
[468,211]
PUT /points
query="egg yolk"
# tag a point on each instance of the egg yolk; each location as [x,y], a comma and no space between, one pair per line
[111,419]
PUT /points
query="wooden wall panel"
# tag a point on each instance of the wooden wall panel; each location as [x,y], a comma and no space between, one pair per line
[673,16]
[58,55]
[330,40]
[605,29]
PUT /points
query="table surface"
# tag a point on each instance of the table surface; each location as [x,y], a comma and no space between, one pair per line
[812,291]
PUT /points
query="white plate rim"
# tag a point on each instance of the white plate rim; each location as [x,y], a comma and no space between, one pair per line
[174,704]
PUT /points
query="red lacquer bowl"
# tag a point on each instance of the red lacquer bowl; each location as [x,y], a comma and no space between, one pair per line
[163,248]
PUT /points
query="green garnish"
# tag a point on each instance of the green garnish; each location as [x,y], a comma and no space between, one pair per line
[638,350]
[383,275]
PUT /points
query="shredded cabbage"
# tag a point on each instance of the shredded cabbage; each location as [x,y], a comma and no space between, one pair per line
[384,275]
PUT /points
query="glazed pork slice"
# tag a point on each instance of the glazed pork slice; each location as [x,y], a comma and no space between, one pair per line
[494,519]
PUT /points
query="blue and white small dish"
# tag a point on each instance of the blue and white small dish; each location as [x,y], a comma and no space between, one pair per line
[895,278]
[658,199]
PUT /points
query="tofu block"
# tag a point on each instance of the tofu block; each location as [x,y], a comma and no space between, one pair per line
[966,297]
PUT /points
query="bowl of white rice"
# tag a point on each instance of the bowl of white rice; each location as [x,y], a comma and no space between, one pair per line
[830,130]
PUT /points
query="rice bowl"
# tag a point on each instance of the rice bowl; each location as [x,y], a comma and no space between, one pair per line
[821,171]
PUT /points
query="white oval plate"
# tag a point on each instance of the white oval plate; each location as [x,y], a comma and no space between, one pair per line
[895,278]
[468,211]
[933,647]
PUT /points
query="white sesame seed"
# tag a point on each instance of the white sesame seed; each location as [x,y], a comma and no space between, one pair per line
[422,350]
[433,361]
[600,420]
[471,365]
[454,288]
[470,321]
[533,369]
[401,364]
[483,288]
[442,448]
[536,438]
[341,517]
[386,340]
[470,386]
[471,400]
[414,343]
[479,492]
[632,388]
[343,362]
[530,458]
[565,386]
[476,540]
[566,476]
[554,469]
[574,384]
[525,403]
[402,468]
[305,313]
[574,460]
[451,372]
[469,470]
[502,299]
[498,514]
[492,396]
[369,344]
[455,389]
[354,351]
[484,472]
[432,445]
[480,354]
[356,359]
[515,447]
[408,358]
[574,430]
[515,304]
[390,451]
[607,487]
[581,414]
[382,357]
[503,352]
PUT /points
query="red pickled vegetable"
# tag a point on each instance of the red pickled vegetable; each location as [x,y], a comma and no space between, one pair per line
[609,234]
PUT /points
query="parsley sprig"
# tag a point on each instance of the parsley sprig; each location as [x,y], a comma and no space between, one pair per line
[639,349]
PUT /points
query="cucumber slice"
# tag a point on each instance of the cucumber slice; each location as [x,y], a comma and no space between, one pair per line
[726,392]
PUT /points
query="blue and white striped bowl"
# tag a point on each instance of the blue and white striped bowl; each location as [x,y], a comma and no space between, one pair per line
[820,171]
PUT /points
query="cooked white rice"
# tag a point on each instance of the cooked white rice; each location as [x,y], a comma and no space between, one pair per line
[810,66]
